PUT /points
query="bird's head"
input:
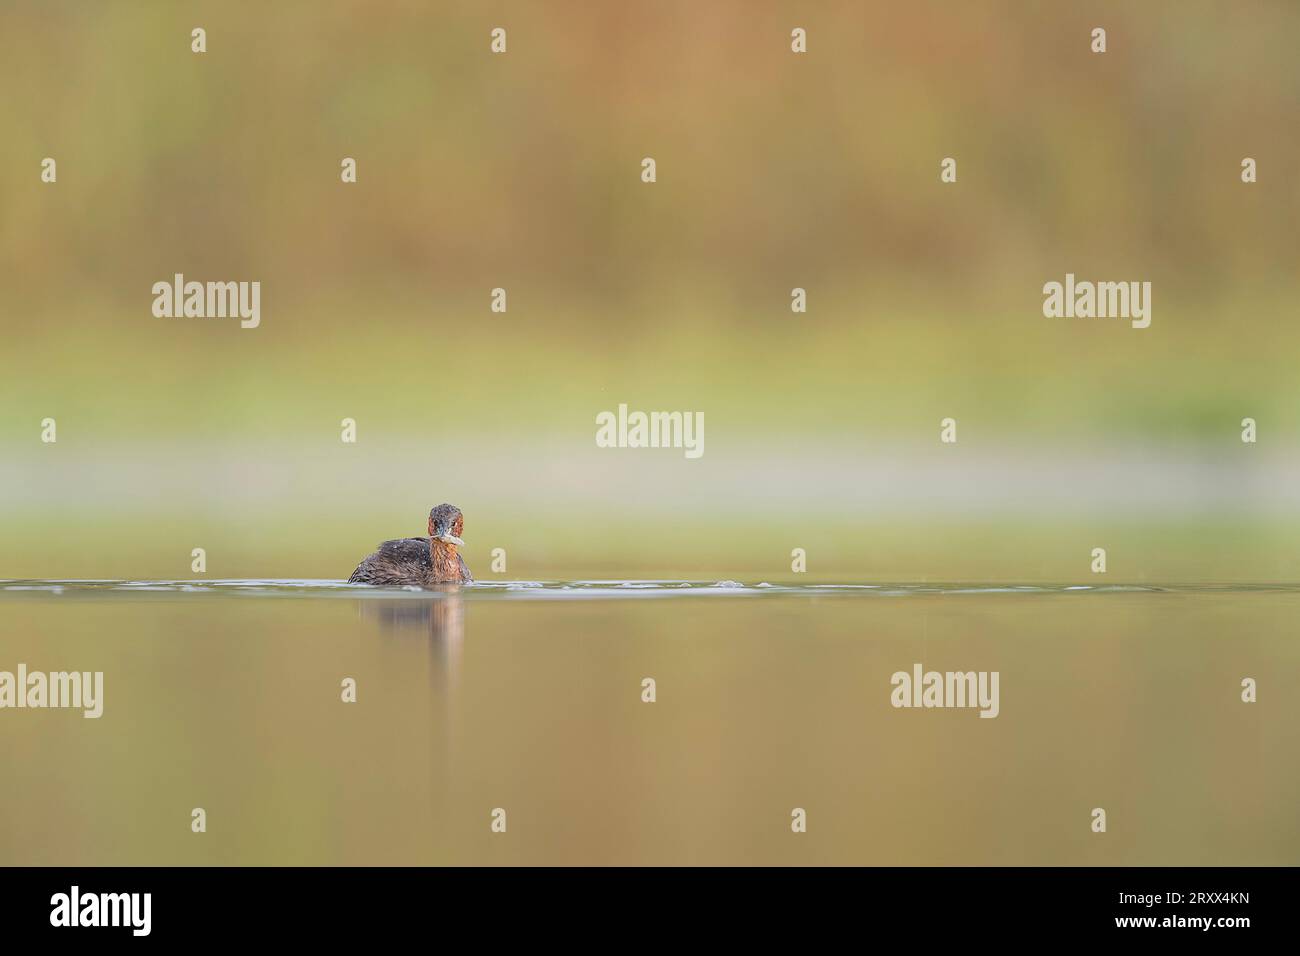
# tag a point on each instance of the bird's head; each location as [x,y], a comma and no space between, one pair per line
[446,524]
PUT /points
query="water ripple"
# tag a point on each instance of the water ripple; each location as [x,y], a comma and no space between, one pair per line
[588,590]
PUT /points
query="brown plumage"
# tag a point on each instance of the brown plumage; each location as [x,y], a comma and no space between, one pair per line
[420,561]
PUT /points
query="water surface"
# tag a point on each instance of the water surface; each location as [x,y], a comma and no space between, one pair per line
[770,695]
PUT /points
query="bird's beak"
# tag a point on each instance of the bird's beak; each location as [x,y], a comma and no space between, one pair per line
[443,534]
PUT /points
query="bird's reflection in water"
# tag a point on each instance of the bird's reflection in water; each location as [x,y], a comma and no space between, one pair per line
[439,616]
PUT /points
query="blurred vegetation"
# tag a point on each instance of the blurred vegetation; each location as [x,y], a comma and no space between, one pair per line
[522,171]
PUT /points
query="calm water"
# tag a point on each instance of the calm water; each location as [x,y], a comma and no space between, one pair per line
[527,696]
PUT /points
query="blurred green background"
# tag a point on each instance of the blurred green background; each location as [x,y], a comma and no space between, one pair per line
[775,170]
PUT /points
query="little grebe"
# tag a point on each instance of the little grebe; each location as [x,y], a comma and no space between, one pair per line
[420,561]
